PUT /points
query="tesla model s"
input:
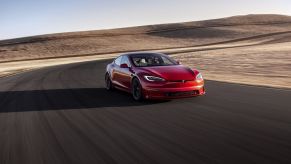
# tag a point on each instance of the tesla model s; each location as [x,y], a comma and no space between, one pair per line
[148,75]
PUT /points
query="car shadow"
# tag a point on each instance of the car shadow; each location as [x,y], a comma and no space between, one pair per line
[62,99]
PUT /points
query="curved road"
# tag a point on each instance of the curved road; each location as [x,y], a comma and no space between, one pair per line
[62,114]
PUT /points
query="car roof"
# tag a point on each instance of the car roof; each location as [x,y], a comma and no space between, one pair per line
[141,53]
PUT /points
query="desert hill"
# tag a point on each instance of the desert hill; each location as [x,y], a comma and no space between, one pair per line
[270,28]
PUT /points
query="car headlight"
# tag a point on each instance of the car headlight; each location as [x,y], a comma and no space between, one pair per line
[153,78]
[199,77]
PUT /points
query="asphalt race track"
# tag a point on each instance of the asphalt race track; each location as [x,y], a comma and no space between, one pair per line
[63,114]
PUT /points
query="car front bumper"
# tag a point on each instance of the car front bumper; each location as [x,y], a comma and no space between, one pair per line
[173,93]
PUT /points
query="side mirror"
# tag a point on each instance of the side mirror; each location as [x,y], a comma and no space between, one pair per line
[179,62]
[124,65]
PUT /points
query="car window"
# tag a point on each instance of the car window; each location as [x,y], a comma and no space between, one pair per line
[148,60]
[166,61]
[117,61]
[125,60]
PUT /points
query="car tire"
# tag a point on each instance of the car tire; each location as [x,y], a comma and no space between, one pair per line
[136,90]
[108,82]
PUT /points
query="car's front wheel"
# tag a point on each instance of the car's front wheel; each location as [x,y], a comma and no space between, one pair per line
[136,89]
[108,82]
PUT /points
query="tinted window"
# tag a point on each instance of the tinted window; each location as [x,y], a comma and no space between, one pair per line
[117,61]
[148,60]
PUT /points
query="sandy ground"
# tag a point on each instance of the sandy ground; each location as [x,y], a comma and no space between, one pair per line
[265,65]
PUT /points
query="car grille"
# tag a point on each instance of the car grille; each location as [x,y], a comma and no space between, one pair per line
[186,93]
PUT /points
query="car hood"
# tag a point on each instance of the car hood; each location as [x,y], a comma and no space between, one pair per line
[171,73]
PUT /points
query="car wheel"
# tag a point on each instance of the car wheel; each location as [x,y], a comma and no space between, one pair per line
[108,82]
[136,89]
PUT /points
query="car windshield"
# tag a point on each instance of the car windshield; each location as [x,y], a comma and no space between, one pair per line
[149,60]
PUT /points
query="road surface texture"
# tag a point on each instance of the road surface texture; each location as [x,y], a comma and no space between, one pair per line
[63,114]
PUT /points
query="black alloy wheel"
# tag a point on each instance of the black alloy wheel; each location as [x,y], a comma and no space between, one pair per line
[108,82]
[136,90]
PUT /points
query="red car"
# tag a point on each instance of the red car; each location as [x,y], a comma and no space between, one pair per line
[153,76]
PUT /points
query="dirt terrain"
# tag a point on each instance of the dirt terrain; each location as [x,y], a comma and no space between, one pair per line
[251,49]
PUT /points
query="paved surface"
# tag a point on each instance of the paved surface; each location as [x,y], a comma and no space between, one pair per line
[63,114]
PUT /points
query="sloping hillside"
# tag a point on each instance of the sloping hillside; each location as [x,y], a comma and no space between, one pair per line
[189,34]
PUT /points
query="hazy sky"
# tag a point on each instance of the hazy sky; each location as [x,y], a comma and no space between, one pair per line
[20,18]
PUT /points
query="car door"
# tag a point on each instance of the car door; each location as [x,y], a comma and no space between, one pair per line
[125,73]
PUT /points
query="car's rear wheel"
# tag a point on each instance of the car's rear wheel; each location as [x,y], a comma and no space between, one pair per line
[108,82]
[136,89]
